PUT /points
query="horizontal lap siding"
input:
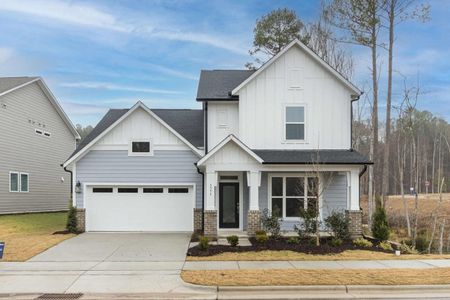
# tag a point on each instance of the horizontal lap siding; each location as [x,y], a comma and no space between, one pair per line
[21,149]
[115,166]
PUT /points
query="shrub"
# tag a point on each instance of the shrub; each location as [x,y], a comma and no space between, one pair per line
[422,243]
[271,223]
[194,236]
[72,222]
[385,245]
[233,240]
[406,249]
[362,242]
[380,226]
[338,225]
[261,237]
[336,242]
[203,243]
[260,232]
[308,225]
[293,240]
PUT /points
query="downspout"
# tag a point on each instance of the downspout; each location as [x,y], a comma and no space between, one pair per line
[203,196]
[353,99]
[71,183]
[360,175]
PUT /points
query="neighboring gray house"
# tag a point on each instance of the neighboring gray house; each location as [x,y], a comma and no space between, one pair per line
[278,138]
[36,137]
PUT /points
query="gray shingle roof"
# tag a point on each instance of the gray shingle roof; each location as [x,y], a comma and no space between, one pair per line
[7,83]
[312,156]
[218,84]
[187,122]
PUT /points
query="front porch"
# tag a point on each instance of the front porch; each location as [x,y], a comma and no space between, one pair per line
[240,185]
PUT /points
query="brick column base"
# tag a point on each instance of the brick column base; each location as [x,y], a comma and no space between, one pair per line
[81,219]
[198,215]
[210,229]
[355,223]
[253,222]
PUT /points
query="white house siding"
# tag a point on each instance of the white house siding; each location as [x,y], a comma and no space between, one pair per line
[21,149]
[115,166]
[295,78]
[223,120]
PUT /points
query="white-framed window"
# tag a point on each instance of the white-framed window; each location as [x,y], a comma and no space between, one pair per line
[38,131]
[288,194]
[14,181]
[294,127]
[19,182]
[140,148]
[24,184]
[47,134]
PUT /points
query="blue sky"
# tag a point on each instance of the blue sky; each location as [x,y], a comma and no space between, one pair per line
[96,55]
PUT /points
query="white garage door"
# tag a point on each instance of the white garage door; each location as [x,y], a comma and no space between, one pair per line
[139,208]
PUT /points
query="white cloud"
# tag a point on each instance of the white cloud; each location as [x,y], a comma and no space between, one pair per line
[66,12]
[5,54]
[90,16]
[115,87]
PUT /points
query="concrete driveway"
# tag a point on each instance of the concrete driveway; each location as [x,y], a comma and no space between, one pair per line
[104,263]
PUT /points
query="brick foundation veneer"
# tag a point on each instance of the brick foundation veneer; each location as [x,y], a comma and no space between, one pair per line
[253,222]
[210,229]
[81,219]
[355,226]
[198,219]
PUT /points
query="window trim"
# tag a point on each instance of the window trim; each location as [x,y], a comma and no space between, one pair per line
[18,181]
[305,197]
[285,122]
[28,182]
[130,147]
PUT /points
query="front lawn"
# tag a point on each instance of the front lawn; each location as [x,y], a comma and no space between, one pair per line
[317,277]
[27,235]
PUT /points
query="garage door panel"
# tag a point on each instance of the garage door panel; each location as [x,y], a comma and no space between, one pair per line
[139,211]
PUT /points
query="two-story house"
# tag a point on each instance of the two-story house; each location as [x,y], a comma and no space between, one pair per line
[278,138]
[36,136]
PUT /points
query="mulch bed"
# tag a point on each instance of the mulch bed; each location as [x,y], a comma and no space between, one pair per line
[304,246]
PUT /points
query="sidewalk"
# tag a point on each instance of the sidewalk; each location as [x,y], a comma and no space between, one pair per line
[345,264]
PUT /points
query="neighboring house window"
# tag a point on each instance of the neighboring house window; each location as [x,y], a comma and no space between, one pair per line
[290,194]
[13,181]
[18,182]
[295,123]
[140,148]
[47,134]
[24,182]
[38,131]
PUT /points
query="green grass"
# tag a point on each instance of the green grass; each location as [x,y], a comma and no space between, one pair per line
[26,235]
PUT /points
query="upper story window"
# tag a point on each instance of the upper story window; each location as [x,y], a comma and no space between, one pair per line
[140,148]
[295,123]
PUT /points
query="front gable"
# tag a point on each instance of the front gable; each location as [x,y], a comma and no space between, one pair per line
[140,125]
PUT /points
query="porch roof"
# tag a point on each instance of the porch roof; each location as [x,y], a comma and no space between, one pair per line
[330,157]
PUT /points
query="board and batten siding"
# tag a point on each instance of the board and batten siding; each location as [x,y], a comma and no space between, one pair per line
[22,150]
[295,79]
[223,120]
[115,166]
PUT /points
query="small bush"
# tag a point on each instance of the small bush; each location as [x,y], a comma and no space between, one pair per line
[308,224]
[203,243]
[262,238]
[194,236]
[293,240]
[338,224]
[406,249]
[72,222]
[361,242]
[380,226]
[336,242]
[233,240]
[422,243]
[271,223]
[260,232]
[385,245]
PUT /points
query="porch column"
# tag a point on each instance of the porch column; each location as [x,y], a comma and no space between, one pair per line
[210,210]
[254,214]
[354,213]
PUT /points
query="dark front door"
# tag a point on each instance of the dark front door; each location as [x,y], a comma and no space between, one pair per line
[229,205]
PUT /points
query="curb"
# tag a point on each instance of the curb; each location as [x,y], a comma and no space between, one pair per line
[331,288]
